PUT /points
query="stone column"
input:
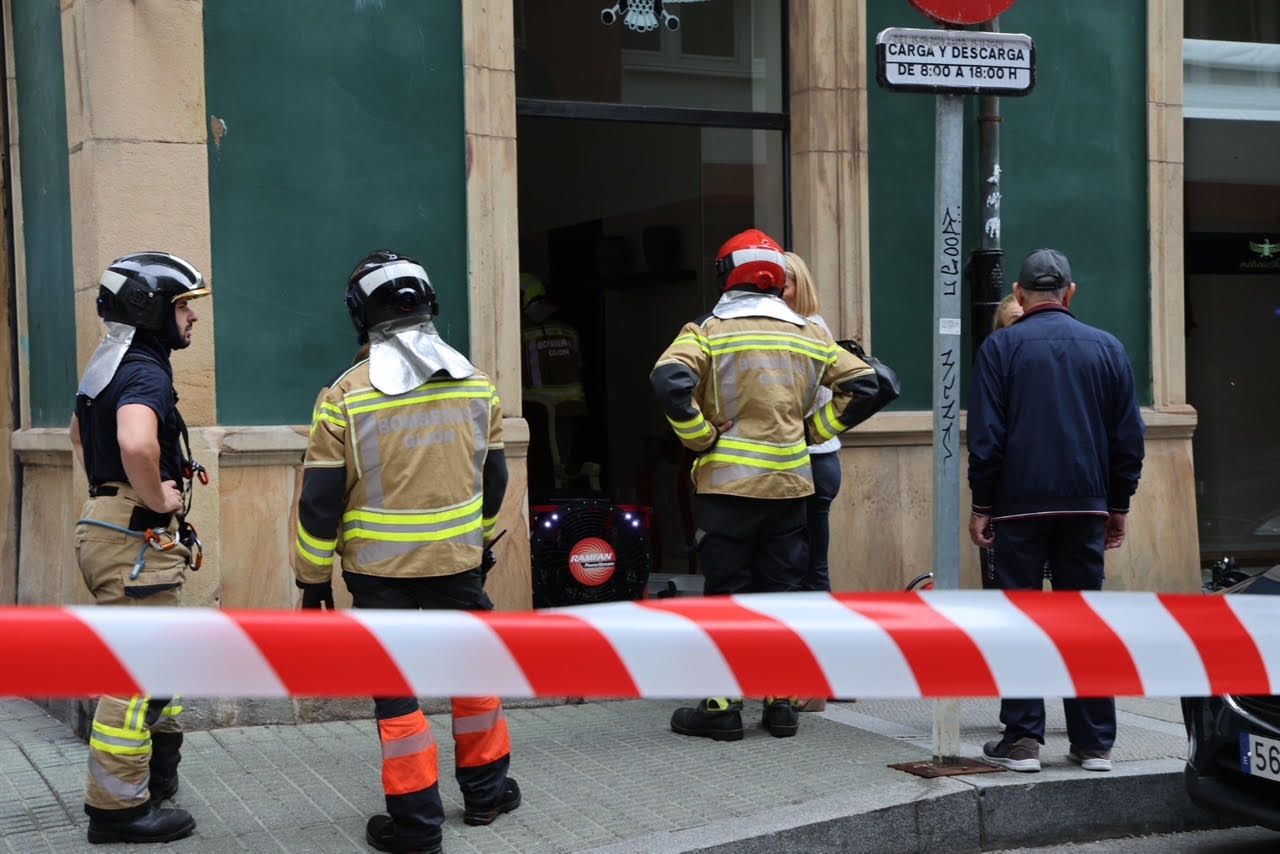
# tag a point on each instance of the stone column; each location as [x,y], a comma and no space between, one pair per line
[493,243]
[829,163]
[134,72]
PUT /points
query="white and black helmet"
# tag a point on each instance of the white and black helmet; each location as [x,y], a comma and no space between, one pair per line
[140,289]
[387,287]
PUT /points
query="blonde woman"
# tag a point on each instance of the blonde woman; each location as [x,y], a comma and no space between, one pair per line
[1006,313]
[802,297]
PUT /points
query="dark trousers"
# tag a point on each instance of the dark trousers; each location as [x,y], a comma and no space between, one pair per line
[1073,548]
[826,485]
[752,545]
[482,743]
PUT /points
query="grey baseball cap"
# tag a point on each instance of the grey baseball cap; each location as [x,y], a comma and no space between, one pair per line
[1045,270]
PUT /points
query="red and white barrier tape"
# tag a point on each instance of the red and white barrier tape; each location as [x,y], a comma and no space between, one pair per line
[933,644]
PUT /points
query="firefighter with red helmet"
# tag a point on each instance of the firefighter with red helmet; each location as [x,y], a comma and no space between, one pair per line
[404,475]
[735,386]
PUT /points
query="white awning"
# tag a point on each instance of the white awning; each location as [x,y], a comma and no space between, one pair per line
[1237,81]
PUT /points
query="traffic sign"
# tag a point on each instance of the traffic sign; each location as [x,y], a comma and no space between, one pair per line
[962,11]
[956,62]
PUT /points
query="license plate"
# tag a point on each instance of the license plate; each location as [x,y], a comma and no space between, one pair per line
[1260,756]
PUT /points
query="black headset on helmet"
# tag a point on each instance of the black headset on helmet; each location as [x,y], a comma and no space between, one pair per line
[140,289]
[386,287]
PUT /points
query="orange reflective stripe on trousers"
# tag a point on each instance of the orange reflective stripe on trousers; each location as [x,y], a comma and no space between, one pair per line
[409,754]
[480,731]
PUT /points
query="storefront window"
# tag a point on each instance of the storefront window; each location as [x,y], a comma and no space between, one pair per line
[721,54]
[1232,65]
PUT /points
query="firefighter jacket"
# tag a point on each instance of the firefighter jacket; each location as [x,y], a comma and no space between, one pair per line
[763,374]
[403,486]
[551,364]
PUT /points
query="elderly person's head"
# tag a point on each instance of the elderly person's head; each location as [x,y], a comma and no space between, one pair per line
[800,292]
[1045,277]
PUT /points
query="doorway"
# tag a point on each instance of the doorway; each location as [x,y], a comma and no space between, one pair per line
[640,152]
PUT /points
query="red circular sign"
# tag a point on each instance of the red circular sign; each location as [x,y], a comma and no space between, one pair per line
[962,11]
[592,561]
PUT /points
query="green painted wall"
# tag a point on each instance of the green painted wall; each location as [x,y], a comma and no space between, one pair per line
[1074,177]
[50,342]
[344,133]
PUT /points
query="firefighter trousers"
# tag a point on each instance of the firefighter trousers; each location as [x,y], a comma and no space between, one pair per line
[482,742]
[752,545]
[131,738]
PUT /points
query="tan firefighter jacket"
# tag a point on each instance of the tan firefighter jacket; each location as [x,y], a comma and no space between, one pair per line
[403,486]
[761,373]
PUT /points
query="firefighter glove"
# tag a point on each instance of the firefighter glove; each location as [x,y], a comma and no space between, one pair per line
[317,597]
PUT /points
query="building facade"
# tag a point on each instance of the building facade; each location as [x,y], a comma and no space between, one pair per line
[273,144]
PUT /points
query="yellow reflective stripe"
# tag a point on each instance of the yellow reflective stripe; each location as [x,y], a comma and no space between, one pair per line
[374,394]
[760,447]
[172,711]
[489,526]
[414,518]
[827,424]
[137,710]
[695,428]
[421,398]
[717,457]
[414,536]
[119,750]
[780,347]
[312,558]
[716,340]
[691,339]
[117,732]
[316,542]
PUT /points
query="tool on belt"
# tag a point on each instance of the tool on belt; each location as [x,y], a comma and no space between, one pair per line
[191,472]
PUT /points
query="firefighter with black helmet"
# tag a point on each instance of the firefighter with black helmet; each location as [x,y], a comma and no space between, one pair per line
[404,476]
[735,386]
[133,543]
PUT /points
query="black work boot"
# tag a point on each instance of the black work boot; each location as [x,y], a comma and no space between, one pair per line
[165,756]
[477,816]
[145,823]
[781,718]
[381,833]
[716,718]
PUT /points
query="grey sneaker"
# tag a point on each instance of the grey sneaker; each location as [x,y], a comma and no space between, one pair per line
[1090,760]
[1022,754]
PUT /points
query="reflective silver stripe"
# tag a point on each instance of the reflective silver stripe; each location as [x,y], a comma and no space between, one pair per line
[791,343]
[320,555]
[747,256]
[113,281]
[121,741]
[423,528]
[372,280]
[725,473]
[409,745]
[366,552]
[370,459]
[479,723]
[121,790]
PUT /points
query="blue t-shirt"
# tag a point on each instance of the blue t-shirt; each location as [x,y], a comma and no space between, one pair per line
[144,377]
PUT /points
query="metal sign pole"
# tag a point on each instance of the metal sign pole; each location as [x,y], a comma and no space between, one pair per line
[947,255]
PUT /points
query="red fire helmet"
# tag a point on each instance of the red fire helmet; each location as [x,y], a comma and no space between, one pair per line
[751,258]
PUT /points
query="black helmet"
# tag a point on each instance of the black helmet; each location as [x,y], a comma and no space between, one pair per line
[385,287]
[140,289]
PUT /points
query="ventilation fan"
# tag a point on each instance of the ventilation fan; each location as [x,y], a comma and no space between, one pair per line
[589,550]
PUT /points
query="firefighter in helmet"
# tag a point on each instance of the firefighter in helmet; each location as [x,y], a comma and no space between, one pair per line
[133,542]
[404,475]
[735,386]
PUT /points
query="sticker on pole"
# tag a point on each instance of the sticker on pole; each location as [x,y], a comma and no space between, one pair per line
[959,62]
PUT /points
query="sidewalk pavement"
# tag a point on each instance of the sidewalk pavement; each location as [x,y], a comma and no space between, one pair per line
[611,777]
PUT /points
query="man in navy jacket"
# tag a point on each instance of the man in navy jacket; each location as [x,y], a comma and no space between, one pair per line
[1055,452]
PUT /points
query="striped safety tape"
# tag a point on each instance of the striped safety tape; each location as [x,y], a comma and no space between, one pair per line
[932,644]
